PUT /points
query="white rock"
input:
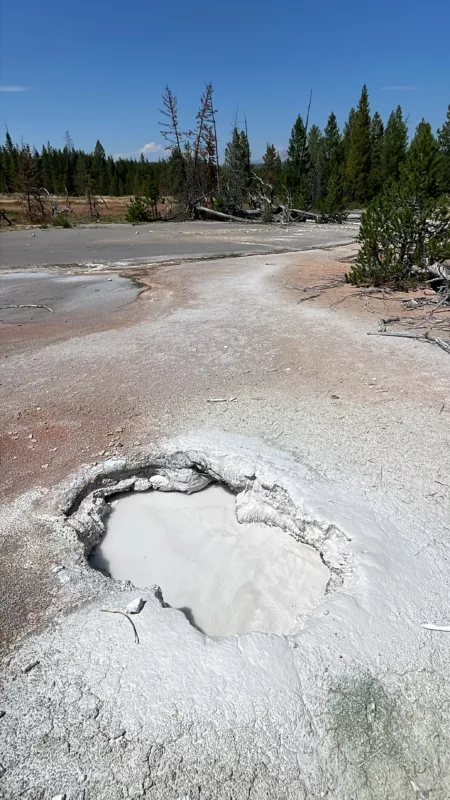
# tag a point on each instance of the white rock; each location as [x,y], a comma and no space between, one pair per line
[135,606]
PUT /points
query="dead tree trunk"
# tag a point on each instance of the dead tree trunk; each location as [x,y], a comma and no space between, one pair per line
[3,216]
[297,215]
[201,212]
[439,271]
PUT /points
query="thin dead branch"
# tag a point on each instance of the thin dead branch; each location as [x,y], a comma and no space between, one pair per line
[430,627]
[28,305]
[108,611]
[221,399]
[444,344]
[376,293]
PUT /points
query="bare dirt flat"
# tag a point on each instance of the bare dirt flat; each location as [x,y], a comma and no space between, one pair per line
[113,207]
[290,403]
[100,376]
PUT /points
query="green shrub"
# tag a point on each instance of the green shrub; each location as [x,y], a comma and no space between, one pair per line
[219,204]
[401,234]
[61,221]
[139,210]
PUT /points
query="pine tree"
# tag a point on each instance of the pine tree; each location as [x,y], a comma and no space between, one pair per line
[237,167]
[246,155]
[394,146]
[10,163]
[113,184]
[333,148]
[420,170]
[346,139]
[377,133]
[406,227]
[444,150]
[358,156]
[297,165]
[271,170]
[332,142]
[317,164]
[3,178]
[401,234]
[46,177]
[99,172]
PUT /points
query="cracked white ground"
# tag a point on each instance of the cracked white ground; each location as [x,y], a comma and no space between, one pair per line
[354,704]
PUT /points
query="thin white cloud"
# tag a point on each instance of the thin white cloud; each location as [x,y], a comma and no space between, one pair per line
[151,151]
[398,88]
[15,88]
[151,148]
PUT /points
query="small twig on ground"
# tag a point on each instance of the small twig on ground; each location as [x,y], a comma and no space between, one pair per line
[311,297]
[31,666]
[336,281]
[430,627]
[28,305]
[375,292]
[372,755]
[443,344]
[400,334]
[384,400]
[221,399]
[383,322]
[108,611]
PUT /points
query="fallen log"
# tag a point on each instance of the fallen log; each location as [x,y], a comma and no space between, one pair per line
[439,270]
[250,213]
[298,214]
[201,212]
[305,214]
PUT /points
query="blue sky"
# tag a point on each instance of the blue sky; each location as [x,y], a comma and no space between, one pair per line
[98,68]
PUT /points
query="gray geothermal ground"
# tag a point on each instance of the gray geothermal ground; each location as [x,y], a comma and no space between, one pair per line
[216,374]
[113,244]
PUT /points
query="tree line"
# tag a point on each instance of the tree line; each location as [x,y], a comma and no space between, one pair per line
[323,170]
[68,170]
[354,165]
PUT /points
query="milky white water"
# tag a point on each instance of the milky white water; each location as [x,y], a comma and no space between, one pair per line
[227,577]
